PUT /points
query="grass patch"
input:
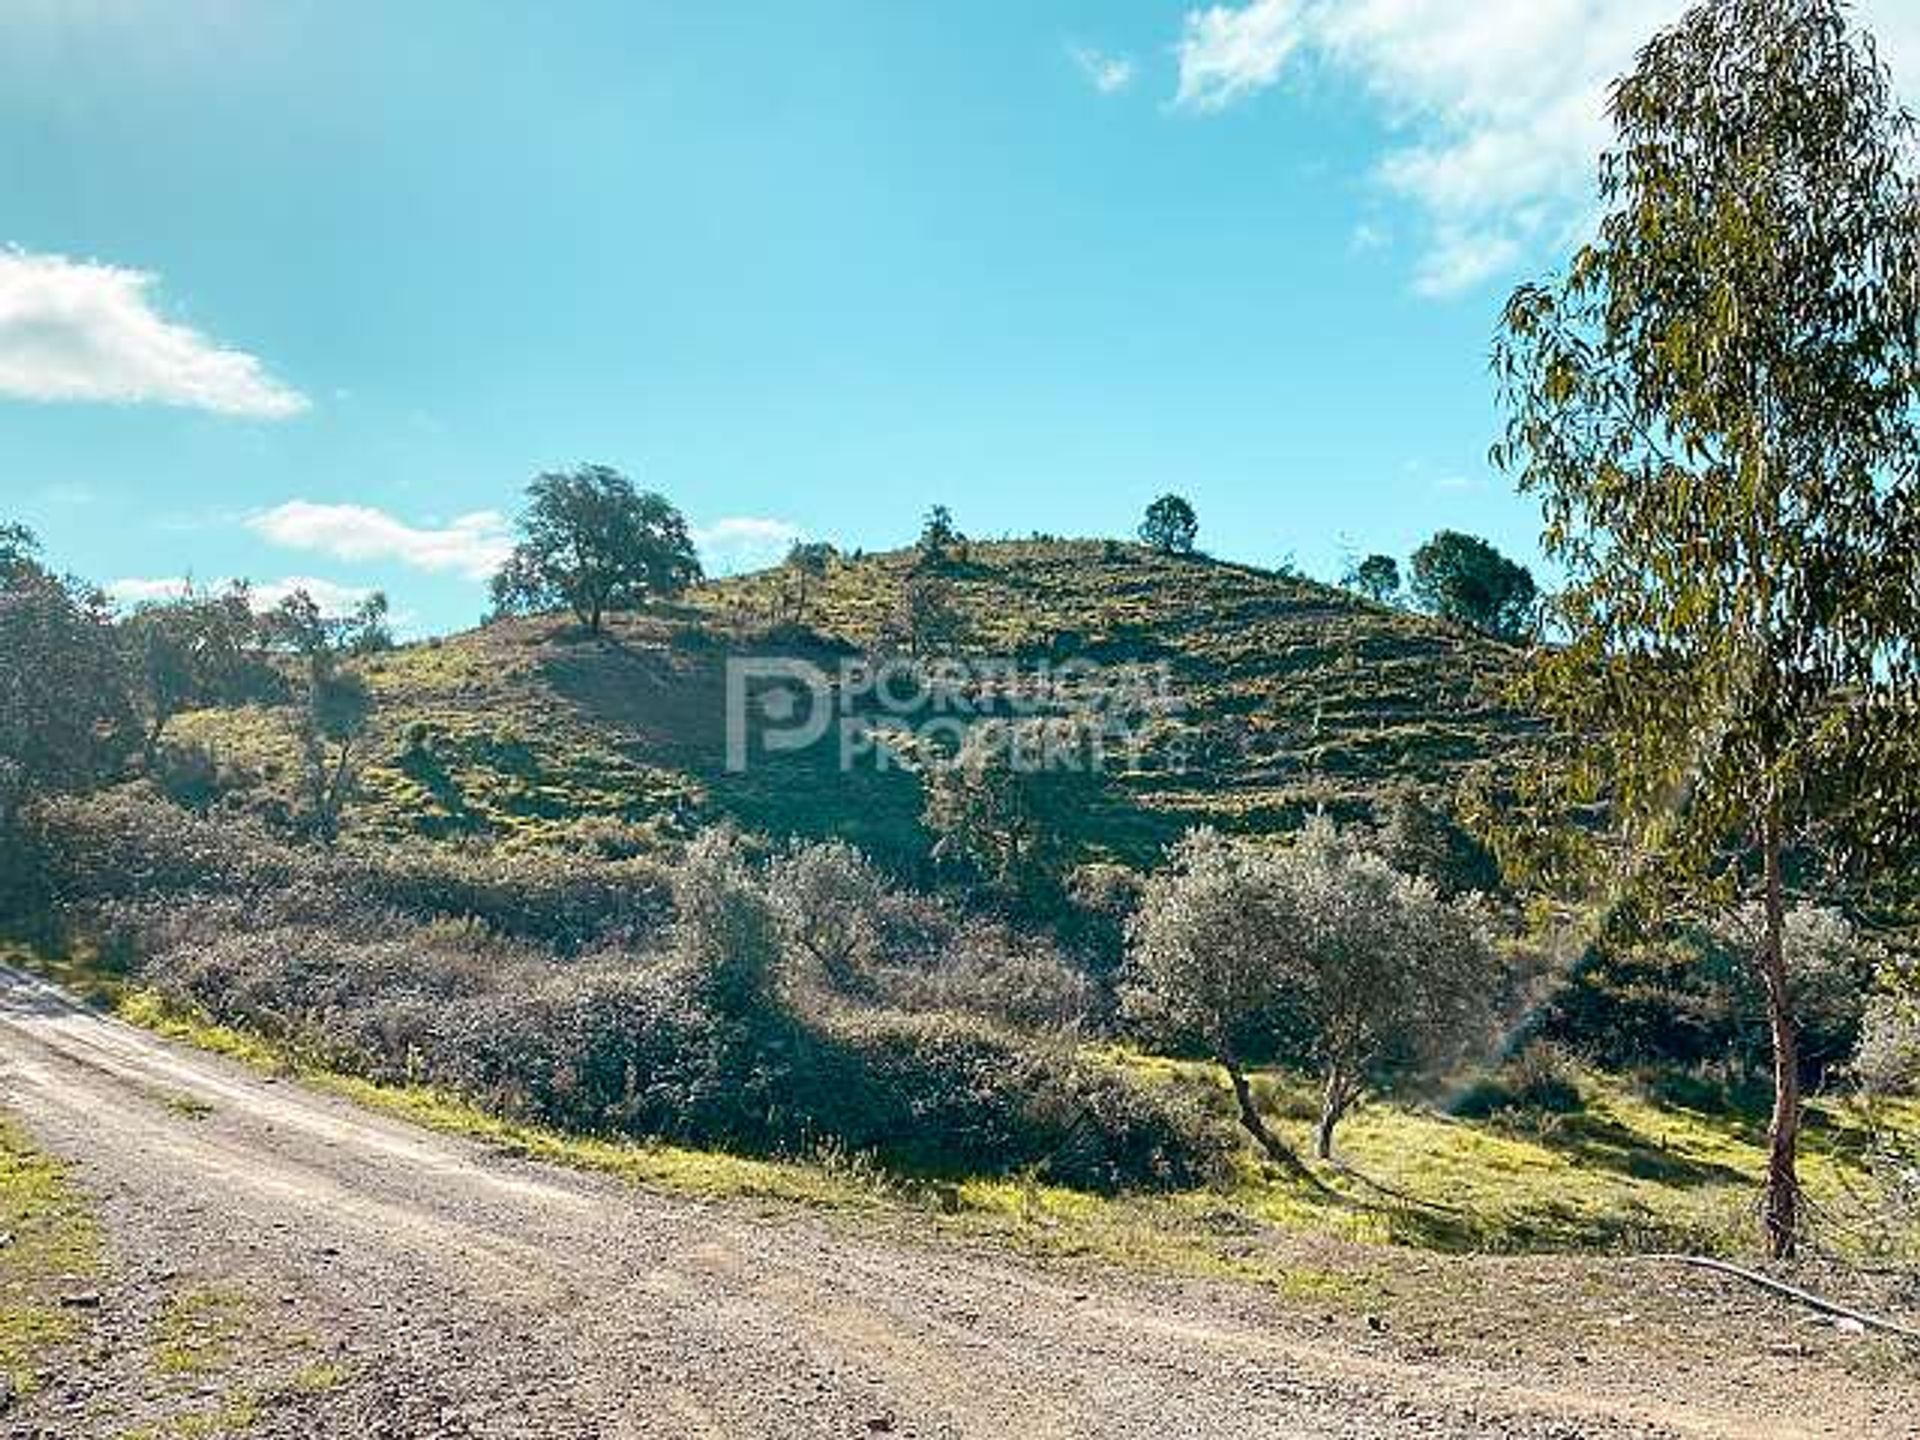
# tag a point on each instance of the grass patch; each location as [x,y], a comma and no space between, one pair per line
[199,1332]
[54,1247]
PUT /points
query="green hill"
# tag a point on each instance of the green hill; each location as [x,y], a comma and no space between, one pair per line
[1283,695]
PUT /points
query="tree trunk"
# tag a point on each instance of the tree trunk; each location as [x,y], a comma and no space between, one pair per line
[1782,1204]
[1277,1150]
[1336,1098]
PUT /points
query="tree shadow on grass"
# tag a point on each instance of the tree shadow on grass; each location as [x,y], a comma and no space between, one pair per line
[1596,1142]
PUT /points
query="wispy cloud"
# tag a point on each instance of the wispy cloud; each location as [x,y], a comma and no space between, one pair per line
[74,330]
[1109,74]
[743,542]
[473,545]
[335,600]
[1498,107]
[1228,53]
[1368,237]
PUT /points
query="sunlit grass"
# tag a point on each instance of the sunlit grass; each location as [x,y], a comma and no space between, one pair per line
[53,1247]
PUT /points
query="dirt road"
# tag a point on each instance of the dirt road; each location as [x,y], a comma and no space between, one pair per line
[320,1270]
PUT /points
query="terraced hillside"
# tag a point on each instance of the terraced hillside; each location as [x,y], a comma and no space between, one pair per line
[1280,695]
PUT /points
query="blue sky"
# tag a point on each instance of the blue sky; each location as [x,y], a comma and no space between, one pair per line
[309,291]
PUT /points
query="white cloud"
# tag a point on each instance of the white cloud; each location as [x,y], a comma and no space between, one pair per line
[1108,74]
[77,330]
[1226,53]
[1498,108]
[335,600]
[473,545]
[743,542]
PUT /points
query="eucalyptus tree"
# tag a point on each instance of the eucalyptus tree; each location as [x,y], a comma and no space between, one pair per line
[1715,406]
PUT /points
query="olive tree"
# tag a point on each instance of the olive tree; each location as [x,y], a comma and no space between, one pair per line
[590,542]
[1317,951]
[1715,407]
[725,932]
[827,898]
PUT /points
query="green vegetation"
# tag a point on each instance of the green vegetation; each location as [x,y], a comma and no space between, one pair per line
[1715,407]
[592,543]
[558,882]
[51,1250]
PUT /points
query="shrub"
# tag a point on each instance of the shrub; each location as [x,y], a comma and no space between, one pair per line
[1887,1060]
[127,846]
[725,931]
[1542,1079]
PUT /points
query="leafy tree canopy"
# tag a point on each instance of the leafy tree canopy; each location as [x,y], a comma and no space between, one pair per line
[592,543]
[1464,579]
[1170,526]
[1715,407]
[1377,577]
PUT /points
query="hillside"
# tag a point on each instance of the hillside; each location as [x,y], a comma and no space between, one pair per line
[1286,695]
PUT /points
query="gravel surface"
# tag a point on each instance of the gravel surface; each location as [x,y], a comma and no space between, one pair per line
[296,1266]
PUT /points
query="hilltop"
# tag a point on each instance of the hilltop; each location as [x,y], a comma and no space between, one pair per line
[1285,695]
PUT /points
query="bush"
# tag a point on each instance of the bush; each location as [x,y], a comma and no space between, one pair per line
[987,970]
[949,1095]
[1887,1061]
[619,1045]
[472,972]
[1691,1000]
[1542,1079]
[127,846]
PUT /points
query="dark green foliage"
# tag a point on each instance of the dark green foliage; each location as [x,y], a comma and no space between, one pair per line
[1694,1002]
[1421,837]
[298,626]
[940,539]
[1542,1079]
[198,650]
[1007,804]
[1377,577]
[1170,526]
[66,717]
[806,565]
[1464,579]
[925,621]
[592,543]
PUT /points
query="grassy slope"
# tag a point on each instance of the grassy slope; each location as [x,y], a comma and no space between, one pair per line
[1290,695]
